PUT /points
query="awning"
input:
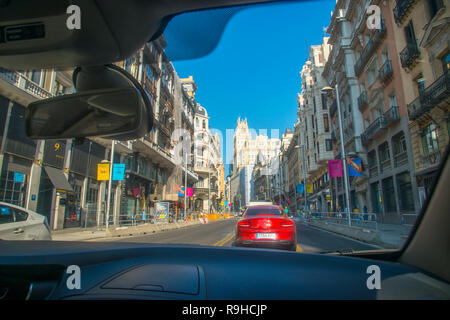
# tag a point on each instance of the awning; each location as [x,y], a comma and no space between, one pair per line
[58,179]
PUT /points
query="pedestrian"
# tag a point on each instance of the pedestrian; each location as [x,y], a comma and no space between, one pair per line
[365,212]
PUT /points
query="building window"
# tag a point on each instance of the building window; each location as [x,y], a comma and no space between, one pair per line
[405,197]
[328,144]
[430,139]
[446,63]
[389,195]
[434,6]
[326,124]
[399,149]
[324,101]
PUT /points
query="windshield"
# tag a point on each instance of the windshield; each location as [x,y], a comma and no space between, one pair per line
[333,110]
[263,211]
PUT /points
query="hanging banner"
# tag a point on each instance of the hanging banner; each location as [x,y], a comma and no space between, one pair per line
[354,167]
[335,168]
[181,191]
[309,188]
[190,192]
[103,171]
[300,188]
[118,173]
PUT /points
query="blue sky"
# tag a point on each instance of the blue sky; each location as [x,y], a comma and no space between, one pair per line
[254,70]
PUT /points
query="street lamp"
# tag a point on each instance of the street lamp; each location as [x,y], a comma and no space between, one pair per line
[304,171]
[344,158]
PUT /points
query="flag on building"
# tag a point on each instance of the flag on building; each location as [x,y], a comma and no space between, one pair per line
[335,168]
[354,167]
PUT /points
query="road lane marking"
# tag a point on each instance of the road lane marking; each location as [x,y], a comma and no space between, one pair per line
[299,249]
[230,239]
[224,240]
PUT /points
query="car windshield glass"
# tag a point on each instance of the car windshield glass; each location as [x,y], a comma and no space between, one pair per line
[334,111]
[264,211]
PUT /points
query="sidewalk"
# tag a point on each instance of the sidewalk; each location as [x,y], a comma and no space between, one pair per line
[96,233]
[389,236]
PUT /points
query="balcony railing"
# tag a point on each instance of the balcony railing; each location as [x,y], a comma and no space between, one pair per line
[431,158]
[400,159]
[391,116]
[409,55]
[362,100]
[374,128]
[438,91]
[21,82]
[373,171]
[430,97]
[402,8]
[385,73]
[370,47]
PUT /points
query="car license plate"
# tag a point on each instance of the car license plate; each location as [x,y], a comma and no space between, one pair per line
[271,236]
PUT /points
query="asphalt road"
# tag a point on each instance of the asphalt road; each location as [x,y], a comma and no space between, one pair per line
[221,233]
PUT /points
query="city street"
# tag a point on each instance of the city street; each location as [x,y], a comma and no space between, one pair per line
[221,233]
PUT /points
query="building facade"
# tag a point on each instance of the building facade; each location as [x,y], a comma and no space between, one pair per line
[58,178]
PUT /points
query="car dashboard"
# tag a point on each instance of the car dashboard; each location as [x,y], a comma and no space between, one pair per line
[45,270]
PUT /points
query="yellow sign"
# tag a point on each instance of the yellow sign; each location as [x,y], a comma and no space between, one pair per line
[103,171]
[309,188]
[328,197]
[222,203]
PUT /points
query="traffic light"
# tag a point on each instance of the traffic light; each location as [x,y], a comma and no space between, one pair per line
[261,188]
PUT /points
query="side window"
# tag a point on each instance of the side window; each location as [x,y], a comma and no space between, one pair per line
[20,215]
[6,215]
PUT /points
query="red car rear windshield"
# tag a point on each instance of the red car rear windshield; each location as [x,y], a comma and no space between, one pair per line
[264,211]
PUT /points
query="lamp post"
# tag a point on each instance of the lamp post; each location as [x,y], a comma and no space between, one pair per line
[109,182]
[344,158]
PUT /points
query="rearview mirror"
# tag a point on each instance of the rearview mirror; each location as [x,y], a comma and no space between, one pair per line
[119,112]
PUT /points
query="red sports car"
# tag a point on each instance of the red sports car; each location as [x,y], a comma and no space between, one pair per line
[266,227]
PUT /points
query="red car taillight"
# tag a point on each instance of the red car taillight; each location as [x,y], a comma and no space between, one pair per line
[243,224]
[287,224]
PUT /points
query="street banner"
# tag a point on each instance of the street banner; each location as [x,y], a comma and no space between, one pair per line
[335,168]
[226,203]
[229,205]
[300,188]
[190,192]
[162,211]
[222,203]
[103,171]
[118,173]
[354,167]
[309,188]
[181,191]
[19,177]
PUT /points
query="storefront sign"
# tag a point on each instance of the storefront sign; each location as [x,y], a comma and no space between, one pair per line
[19,177]
[118,173]
[103,171]
[162,211]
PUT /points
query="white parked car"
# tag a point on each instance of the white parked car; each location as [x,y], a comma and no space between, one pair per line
[17,223]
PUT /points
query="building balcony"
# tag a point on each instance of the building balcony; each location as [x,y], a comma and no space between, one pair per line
[373,171]
[385,73]
[370,47]
[432,96]
[409,55]
[391,116]
[373,129]
[402,9]
[400,159]
[362,100]
[21,82]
